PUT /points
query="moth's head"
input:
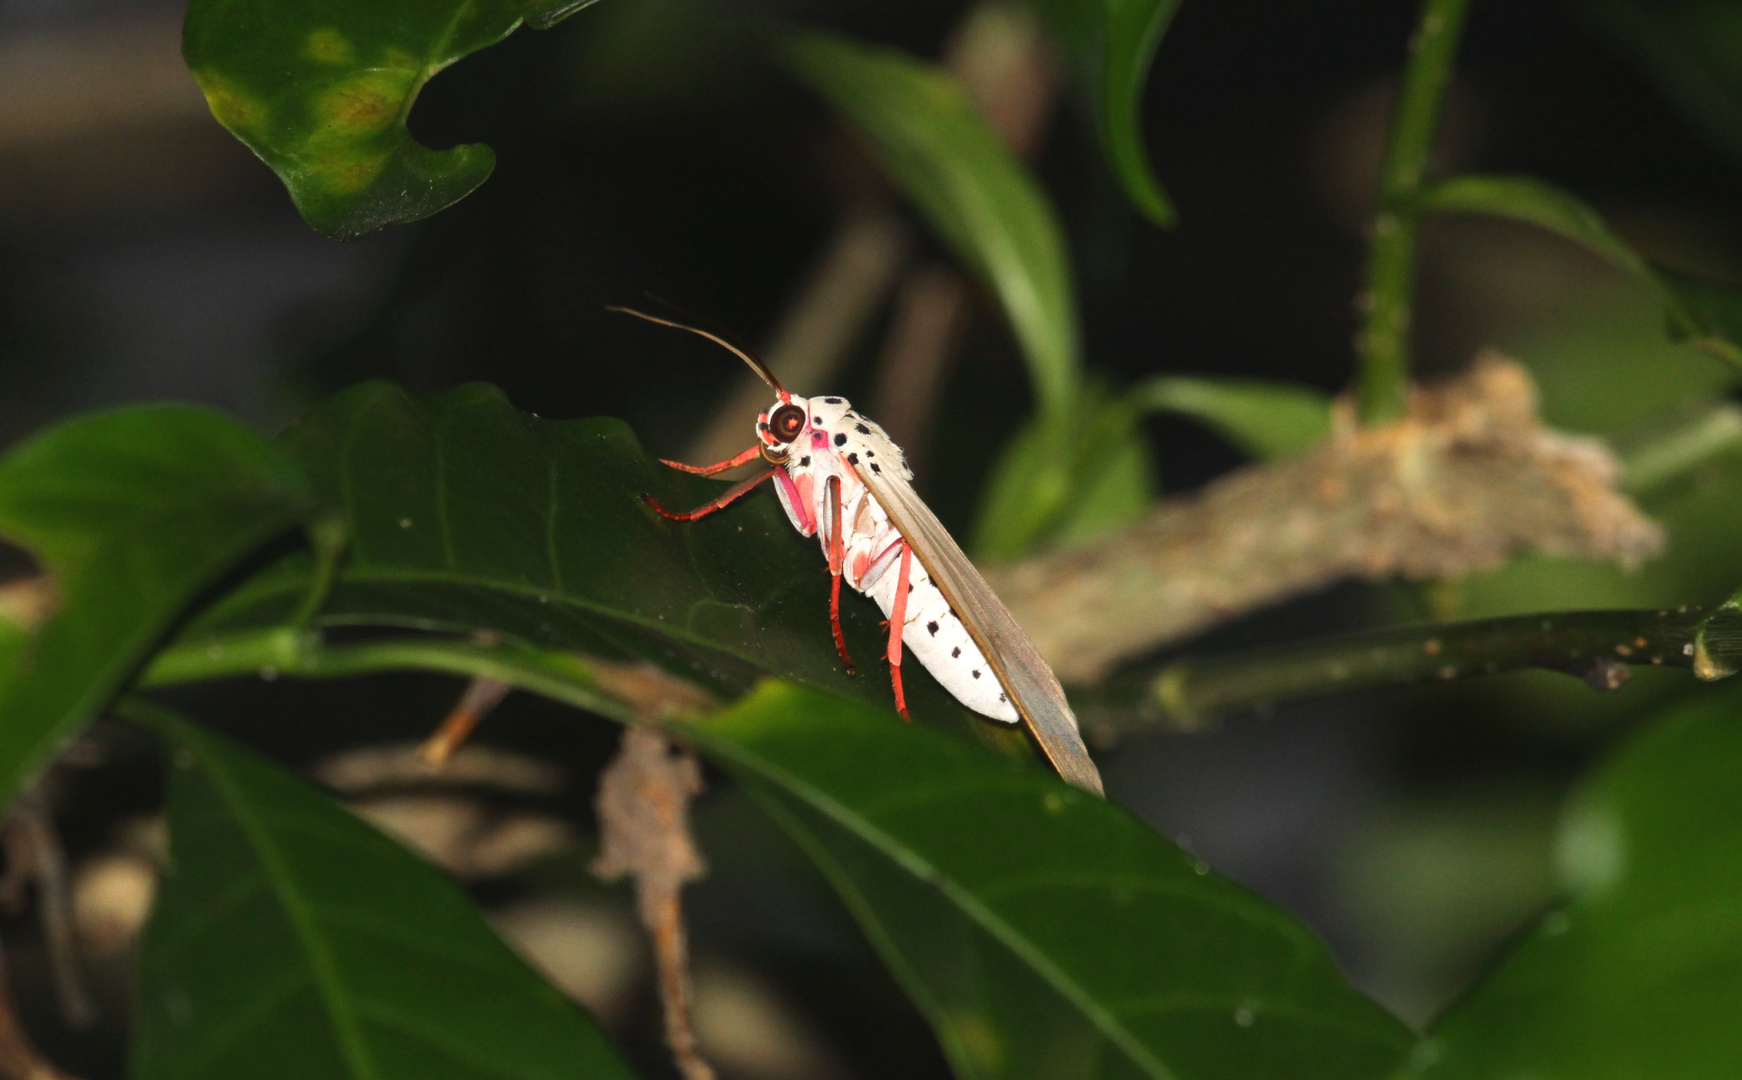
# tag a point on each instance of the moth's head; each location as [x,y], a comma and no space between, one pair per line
[780,425]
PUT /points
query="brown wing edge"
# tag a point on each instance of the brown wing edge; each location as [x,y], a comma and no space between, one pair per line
[1026,676]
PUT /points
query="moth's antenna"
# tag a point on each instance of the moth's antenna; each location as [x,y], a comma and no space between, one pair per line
[745,355]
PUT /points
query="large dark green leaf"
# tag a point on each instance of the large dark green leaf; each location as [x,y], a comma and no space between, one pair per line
[466,516]
[1110,44]
[290,940]
[131,513]
[931,140]
[1704,314]
[320,89]
[1043,932]
[1640,973]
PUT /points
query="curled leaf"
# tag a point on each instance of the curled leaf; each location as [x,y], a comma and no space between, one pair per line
[321,91]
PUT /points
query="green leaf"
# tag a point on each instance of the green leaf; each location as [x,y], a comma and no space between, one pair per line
[1043,932]
[1068,478]
[132,513]
[1703,314]
[1110,44]
[1534,203]
[290,939]
[935,145]
[1268,420]
[321,89]
[1077,938]
[1640,973]
[466,515]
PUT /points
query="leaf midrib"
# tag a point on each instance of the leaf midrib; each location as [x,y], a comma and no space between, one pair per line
[329,984]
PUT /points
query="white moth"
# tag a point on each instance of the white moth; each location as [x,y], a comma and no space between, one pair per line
[842,480]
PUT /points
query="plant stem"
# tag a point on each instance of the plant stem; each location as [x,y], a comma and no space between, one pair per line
[1388,294]
[1594,645]
[301,654]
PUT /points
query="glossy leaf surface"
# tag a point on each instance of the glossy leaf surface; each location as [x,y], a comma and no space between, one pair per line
[467,515]
[292,940]
[1268,420]
[1038,928]
[935,145]
[1045,933]
[1110,44]
[131,513]
[321,89]
[1640,973]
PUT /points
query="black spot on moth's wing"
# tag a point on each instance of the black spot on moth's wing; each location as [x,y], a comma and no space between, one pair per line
[831,401]
[852,459]
[976,673]
[862,429]
[841,438]
[956,653]
[932,628]
[1021,671]
[876,468]
[1003,698]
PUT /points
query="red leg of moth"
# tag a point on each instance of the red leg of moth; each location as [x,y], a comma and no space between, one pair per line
[736,491]
[836,559]
[719,466]
[898,620]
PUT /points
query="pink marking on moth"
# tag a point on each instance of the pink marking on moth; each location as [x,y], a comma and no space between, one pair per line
[798,496]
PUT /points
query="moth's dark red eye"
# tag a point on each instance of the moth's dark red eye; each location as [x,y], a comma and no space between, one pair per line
[786,423]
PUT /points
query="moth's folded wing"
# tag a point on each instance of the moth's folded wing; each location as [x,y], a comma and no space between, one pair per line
[1026,677]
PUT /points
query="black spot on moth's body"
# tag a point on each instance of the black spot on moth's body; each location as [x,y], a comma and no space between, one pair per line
[861,429]
[804,462]
[841,439]
[852,459]
[832,401]
[932,628]
[956,653]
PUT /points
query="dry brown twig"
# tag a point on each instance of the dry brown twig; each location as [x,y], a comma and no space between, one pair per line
[480,696]
[1469,478]
[643,804]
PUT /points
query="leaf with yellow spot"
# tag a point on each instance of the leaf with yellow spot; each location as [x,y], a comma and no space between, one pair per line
[320,90]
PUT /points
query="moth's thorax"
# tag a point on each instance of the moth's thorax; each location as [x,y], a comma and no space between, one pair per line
[835,441]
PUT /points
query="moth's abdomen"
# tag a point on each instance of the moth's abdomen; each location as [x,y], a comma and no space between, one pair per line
[937,638]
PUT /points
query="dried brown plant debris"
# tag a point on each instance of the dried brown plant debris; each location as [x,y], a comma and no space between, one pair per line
[1464,482]
[643,805]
